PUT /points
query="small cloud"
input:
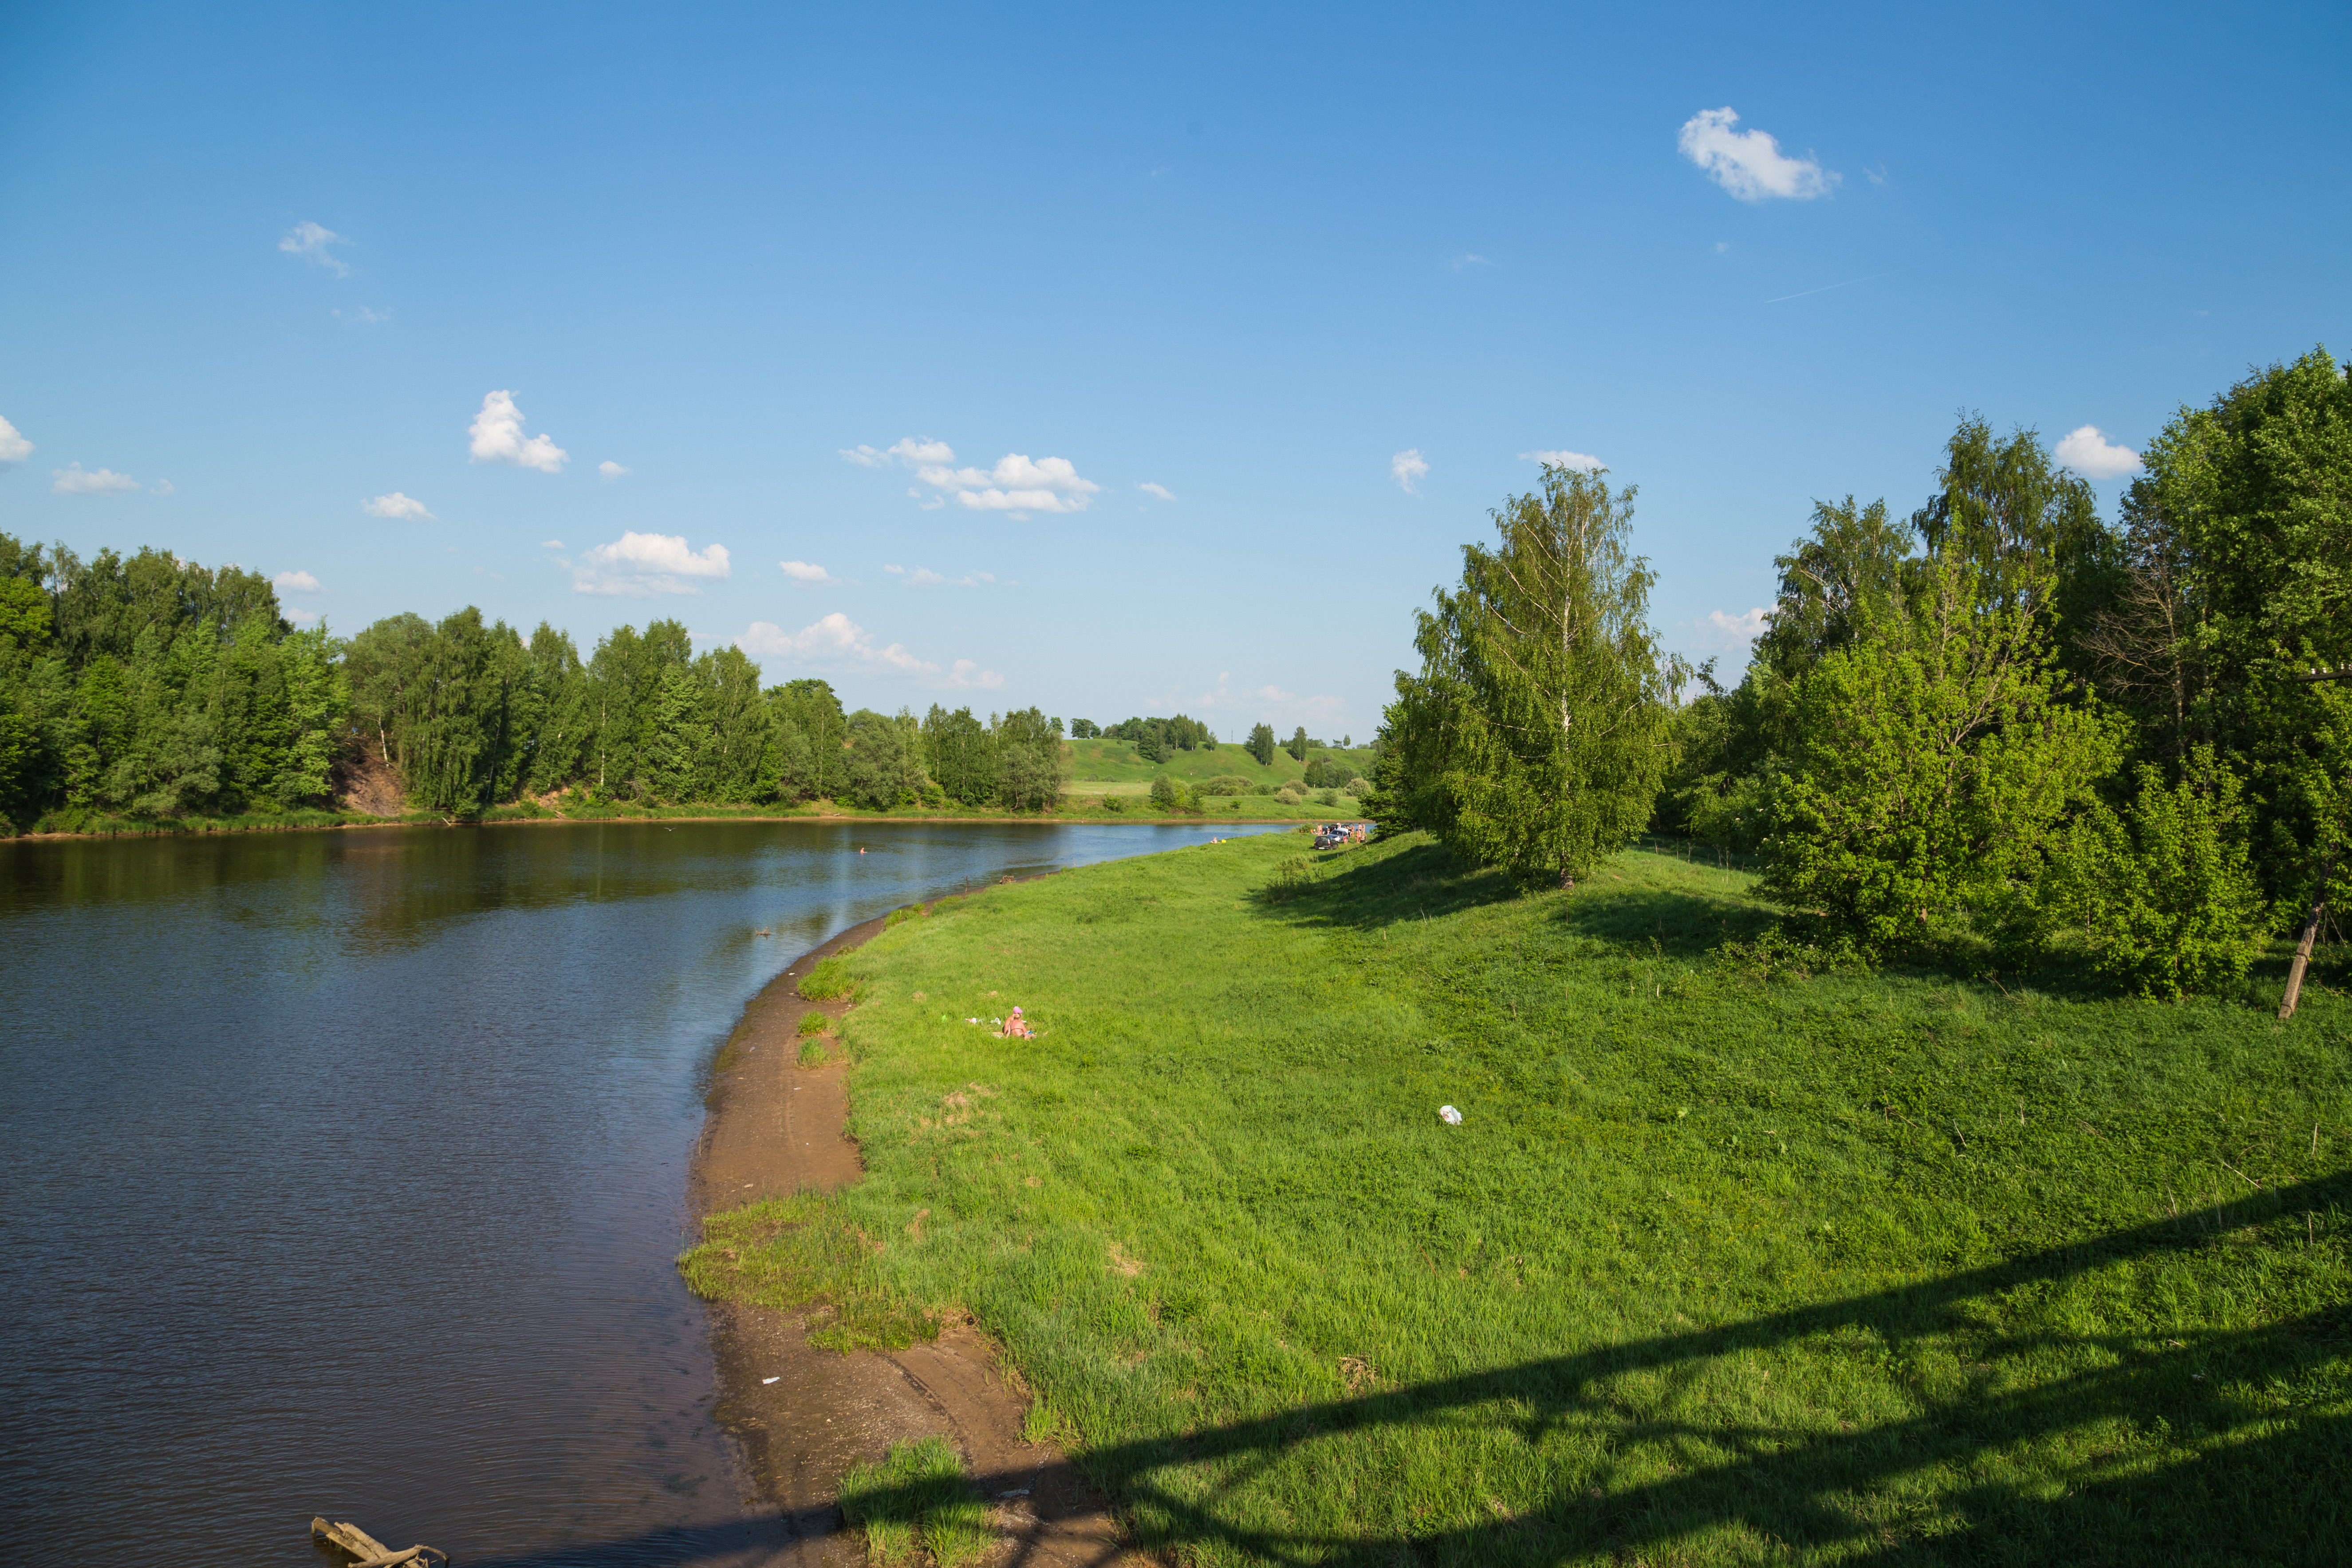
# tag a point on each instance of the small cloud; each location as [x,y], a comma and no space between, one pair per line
[609,469]
[837,640]
[399,507]
[551,544]
[894,569]
[310,242]
[162,487]
[1151,489]
[362,317]
[966,675]
[907,451]
[1470,258]
[1723,247]
[1018,484]
[2092,455]
[14,448]
[641,565]
[1876,176]
[498,437]
[924,577]
[1749,163]
[1740,630]
[70,480]
[1408,467]
[299,616]
[1563,460]
[804,576]
[298,583]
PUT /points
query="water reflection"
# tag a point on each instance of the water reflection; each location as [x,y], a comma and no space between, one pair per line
[342,1172]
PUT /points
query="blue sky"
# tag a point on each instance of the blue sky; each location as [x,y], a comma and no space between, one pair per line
[1322,277]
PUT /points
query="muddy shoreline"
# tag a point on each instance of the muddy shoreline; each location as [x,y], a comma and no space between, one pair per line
[800,1417]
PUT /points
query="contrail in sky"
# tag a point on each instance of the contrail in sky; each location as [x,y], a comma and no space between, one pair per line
[1827,286]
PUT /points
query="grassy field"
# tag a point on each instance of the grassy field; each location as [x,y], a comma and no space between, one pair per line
[1728,1261]
[1111,766]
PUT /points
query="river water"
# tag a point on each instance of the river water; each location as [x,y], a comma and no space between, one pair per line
[342,1174]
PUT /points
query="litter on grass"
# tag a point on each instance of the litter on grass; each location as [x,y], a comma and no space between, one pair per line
[766,1379]
[1451,1117]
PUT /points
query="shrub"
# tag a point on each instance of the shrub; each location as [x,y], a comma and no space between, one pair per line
[1164,792]
[2162,895]
[1114,802]
[1289,795]
[1263,787]
[1327,797]
[830,979]
[1226,783]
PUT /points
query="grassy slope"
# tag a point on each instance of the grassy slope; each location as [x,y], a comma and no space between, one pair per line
[1097,765]
[1718,1266]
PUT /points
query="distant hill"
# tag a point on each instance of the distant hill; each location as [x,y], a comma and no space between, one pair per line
[1111,767]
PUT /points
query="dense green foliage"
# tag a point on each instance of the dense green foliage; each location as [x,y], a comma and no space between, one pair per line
[1734,1258]
[156,688]
[1536,736]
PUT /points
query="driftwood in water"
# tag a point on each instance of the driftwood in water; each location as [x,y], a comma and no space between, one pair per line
[371,1552]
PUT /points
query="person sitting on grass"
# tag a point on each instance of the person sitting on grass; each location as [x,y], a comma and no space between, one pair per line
[1016,1027]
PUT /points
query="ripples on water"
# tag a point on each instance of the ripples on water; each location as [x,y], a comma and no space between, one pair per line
[343,1173]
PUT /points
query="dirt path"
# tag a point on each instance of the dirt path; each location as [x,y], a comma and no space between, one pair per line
[804,1415]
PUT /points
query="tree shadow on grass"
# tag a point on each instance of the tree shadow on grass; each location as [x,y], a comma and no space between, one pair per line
[2228,1466]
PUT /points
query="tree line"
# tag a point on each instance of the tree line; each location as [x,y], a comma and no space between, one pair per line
[149,686]
[2002,718]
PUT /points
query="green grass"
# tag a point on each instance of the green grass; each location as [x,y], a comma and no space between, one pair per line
[827,979]
[1098,765]
[1735,1257]
[918,1491]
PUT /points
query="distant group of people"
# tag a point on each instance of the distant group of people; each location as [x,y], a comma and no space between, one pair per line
[1330,835]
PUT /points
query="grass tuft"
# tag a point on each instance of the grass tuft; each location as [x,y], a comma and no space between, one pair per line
[828,979]
[917,1491]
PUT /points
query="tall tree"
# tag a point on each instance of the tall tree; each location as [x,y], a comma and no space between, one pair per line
[1537,734]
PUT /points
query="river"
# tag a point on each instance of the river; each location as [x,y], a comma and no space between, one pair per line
[342,1173]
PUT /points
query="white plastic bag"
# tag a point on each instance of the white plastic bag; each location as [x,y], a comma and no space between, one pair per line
[1451,1117]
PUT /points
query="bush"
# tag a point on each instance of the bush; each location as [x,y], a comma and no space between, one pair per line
[1327,797]
[1227,783]
[1164,792]
[1289,795]
[1113,803]
[2162,895]
[1261,787]
[830,979]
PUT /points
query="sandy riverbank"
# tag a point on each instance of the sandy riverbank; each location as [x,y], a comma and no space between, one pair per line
[804,1415]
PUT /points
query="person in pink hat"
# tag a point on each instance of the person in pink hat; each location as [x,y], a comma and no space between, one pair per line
[1016,1027]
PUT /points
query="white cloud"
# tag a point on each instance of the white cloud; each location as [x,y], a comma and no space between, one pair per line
[299,617]
[907,450]
[362,317]
[71,482]
[1562,459]
[1018,484]
[640,565]
[14,448]
[1269,703]
[924,577]
[969,675]
[551,544]
[1470,258]
[298,582]
[162,487]
[1727,631]
[2092,455]
[804,576]
[310,242]
[835,639]
[609,469]
[498,437]
[1749,163]
[1407,468]
[1151,489]
[398,507]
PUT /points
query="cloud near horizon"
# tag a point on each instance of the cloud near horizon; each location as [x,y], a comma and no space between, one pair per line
[398,506]
[1749,163]
[298,582]
[1740,630]
[497,437]
[13,447]
[307,241]
[837,642]
[642,565]
[70,480]
[2089,453]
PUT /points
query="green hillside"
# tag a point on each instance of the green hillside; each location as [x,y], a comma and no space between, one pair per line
[1112,767]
